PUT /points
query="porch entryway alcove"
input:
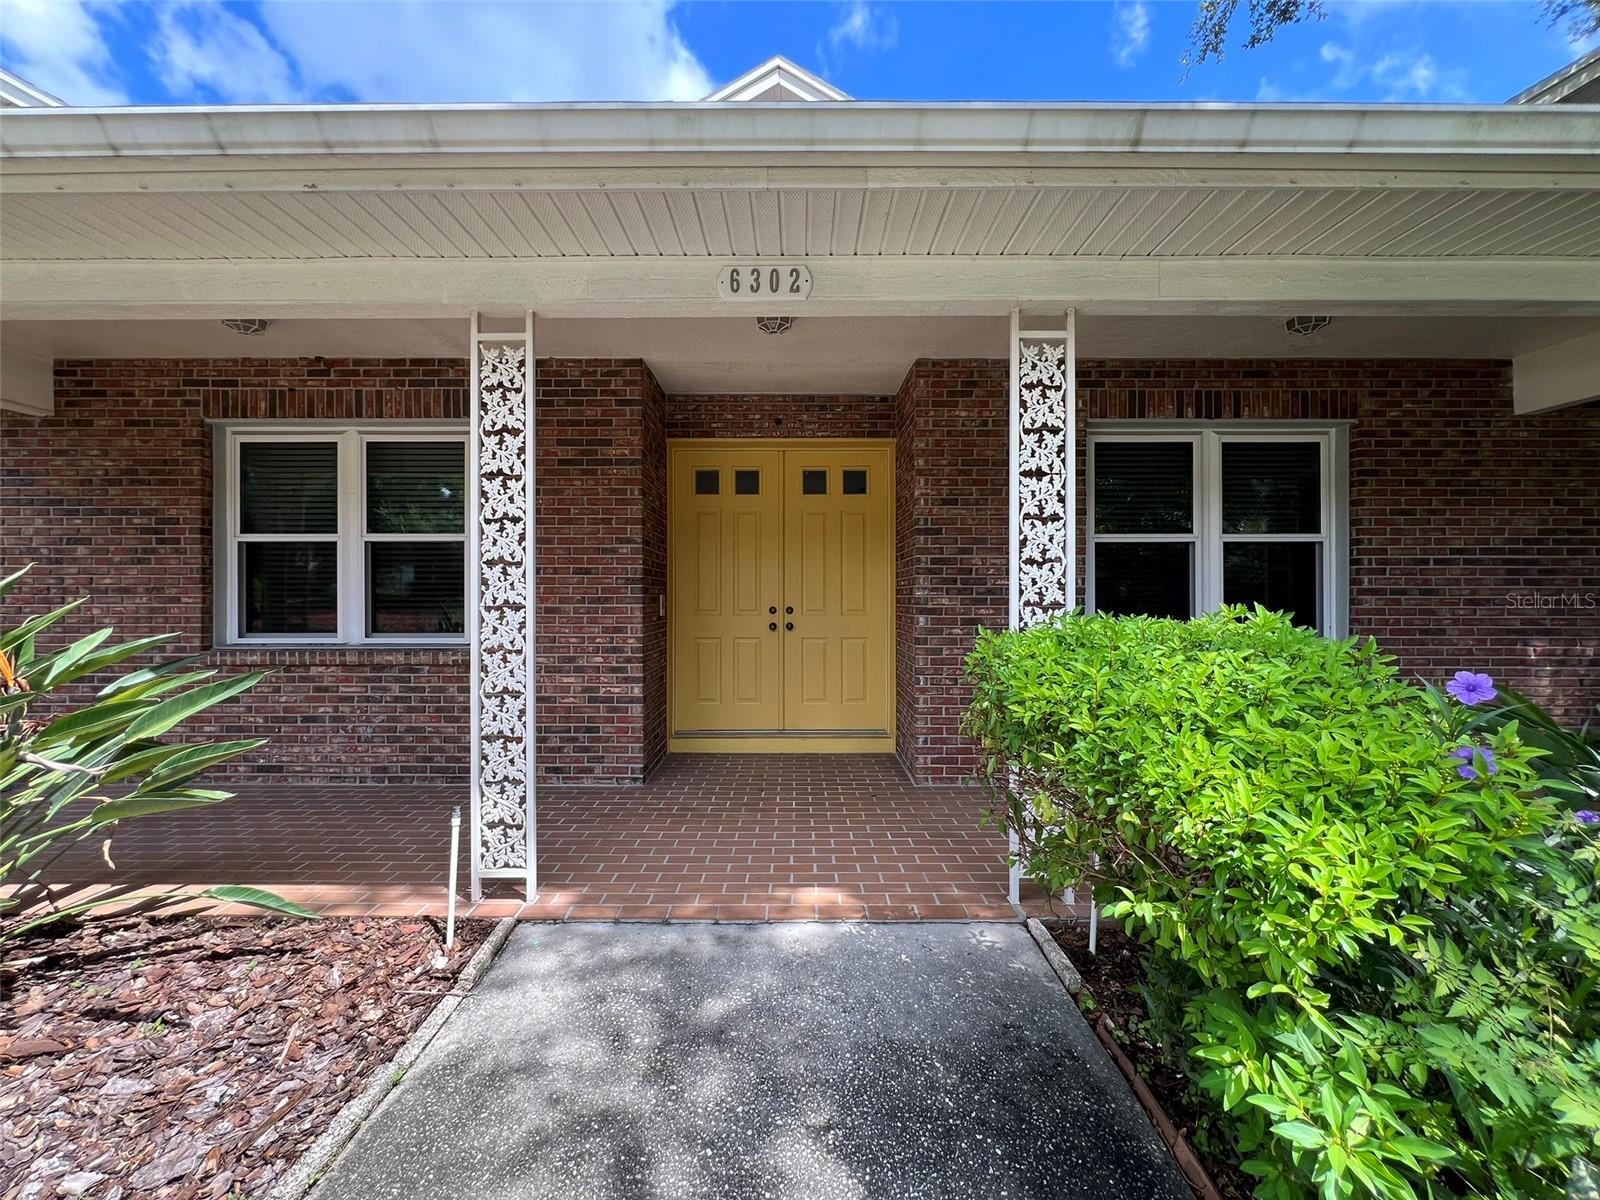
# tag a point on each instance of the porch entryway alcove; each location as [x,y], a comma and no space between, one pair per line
[804,524]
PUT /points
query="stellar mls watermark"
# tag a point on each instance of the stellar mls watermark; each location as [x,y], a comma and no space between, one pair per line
[1553,599]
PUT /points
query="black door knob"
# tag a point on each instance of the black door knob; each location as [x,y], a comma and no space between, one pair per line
[788,624]
[773,609]
[788,608]
[772,625]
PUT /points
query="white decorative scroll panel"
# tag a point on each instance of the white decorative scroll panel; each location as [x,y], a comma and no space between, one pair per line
[1044,507]
[503,651]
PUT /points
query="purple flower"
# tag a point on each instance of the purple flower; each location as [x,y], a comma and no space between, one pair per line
[1586,816]
[1471,688]
[1467,753]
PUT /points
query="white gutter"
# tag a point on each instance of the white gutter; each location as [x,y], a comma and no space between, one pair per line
[1570,132]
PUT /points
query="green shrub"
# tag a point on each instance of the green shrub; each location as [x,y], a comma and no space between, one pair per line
[79,772]
[1371,937]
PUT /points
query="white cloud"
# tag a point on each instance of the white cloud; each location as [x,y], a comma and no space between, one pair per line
[1408,77]
[1132,32]
[1392,76]
[1346,73]
[399,50]
[864,26]
[435,51]
[202,50]
[58,45]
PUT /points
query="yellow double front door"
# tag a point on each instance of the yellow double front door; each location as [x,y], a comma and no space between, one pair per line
[781,594]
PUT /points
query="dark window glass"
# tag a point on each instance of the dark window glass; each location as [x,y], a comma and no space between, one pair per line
[1283,576]
[288,487]
[415,587]
[1151,579]
[1271,487]
[747,483]
[1144,487]
[707,483]
[814,483]
[416,487]
[854,482]
[289,587]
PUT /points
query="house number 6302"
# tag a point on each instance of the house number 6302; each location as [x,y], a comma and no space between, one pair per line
[764,281]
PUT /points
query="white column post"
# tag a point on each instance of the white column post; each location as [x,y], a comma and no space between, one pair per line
[502,608]
[1044,480]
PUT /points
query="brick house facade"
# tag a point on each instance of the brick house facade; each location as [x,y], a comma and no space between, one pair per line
[1468,525]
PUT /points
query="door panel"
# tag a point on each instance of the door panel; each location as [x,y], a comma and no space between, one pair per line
[726,566]
[806,528]
[837,569]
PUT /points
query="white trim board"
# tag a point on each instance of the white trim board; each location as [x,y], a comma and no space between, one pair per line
[968,286]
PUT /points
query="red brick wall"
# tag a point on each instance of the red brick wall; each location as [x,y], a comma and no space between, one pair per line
[593,630]
[950,551]
[780,416]
[1468,523]
[1468,526]
[1475,533]
[111,496]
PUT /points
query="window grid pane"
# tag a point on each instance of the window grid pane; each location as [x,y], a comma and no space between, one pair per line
[1144,486]
[288,487]
[415,588]
[1283,576]
[416,487]
[1271,487]
[1152,579]
[288,588]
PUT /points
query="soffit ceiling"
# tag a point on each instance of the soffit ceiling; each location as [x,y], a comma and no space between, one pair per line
[1156,222]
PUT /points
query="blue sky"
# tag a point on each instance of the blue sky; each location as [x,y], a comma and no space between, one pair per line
[279,51]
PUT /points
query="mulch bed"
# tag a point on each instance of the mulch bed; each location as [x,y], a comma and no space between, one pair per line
[199,1056]
[1113,977]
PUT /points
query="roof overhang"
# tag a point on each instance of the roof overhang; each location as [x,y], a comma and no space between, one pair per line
[902,209]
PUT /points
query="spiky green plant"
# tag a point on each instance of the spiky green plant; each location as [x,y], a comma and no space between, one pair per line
[77,771]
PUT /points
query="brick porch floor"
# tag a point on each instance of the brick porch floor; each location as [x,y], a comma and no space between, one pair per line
[708,837]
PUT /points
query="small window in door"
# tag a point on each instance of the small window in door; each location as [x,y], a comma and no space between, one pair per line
[854,481]
[814,483]
[707,483]
[747,483]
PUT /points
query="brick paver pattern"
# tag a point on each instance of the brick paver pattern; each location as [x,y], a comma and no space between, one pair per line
[707,837]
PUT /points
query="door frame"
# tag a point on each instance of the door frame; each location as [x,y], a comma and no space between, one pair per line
[784,743]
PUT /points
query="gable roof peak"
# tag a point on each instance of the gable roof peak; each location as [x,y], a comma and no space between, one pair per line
[777,81]
[17,92]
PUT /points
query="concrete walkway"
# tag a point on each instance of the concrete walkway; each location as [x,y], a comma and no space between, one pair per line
[761,1062]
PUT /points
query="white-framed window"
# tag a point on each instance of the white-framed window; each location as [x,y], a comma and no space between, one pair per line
[1184,517]
[341,534]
